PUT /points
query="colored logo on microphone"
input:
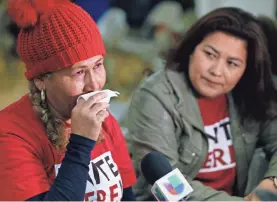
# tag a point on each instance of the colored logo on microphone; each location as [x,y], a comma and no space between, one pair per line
[174,185]
[159,194]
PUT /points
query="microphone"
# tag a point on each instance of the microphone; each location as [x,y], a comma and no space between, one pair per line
[168,184]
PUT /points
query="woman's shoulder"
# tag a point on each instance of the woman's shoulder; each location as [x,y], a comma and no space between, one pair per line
[164,85]
[156,83]
[20,119]
[17,107]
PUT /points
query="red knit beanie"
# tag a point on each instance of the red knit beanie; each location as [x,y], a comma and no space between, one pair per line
[54,35]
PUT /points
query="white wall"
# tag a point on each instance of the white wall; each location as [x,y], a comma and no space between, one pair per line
[257,7]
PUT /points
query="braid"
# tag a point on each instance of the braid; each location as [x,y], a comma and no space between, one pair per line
[54,127]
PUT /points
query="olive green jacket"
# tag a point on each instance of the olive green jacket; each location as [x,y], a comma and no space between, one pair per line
[164,116]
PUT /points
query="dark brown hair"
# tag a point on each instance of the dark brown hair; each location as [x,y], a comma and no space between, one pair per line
[270,30]
[254,95]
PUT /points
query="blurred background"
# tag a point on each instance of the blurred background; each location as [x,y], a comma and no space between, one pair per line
[137,36]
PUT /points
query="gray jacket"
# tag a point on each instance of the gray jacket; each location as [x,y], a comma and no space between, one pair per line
[164,116]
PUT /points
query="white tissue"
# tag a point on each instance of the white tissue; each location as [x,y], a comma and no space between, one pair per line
[107,99]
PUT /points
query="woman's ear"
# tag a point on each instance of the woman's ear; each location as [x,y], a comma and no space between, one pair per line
[39,84]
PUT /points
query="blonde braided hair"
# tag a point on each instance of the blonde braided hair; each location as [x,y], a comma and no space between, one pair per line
[55,129]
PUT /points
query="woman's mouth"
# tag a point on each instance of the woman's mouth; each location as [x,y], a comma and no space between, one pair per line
[211,83]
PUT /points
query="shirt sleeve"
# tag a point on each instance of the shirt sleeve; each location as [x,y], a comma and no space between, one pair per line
[22,173]
[23,176]
[73,171]
[122,156]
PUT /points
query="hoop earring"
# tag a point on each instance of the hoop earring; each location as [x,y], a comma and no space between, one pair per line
[42,95]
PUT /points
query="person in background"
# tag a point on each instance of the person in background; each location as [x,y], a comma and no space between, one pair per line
[52,148]
[209,108]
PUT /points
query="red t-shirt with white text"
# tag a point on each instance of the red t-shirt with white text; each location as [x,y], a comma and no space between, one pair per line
[29,162]
[219,169]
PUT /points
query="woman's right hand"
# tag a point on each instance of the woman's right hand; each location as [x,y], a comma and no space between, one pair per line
[87,116]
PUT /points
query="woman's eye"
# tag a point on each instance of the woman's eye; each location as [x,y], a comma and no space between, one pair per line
[232,64]
[79,72]
[98,65]
[210,55]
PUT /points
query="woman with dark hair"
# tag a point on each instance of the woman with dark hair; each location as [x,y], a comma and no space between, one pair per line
[209,108]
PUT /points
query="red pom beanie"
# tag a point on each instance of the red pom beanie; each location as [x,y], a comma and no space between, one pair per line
[55,34]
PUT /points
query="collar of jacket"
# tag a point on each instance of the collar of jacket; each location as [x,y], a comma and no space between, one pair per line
[187,104]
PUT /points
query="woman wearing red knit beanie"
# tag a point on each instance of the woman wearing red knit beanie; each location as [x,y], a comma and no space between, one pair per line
[51,146]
